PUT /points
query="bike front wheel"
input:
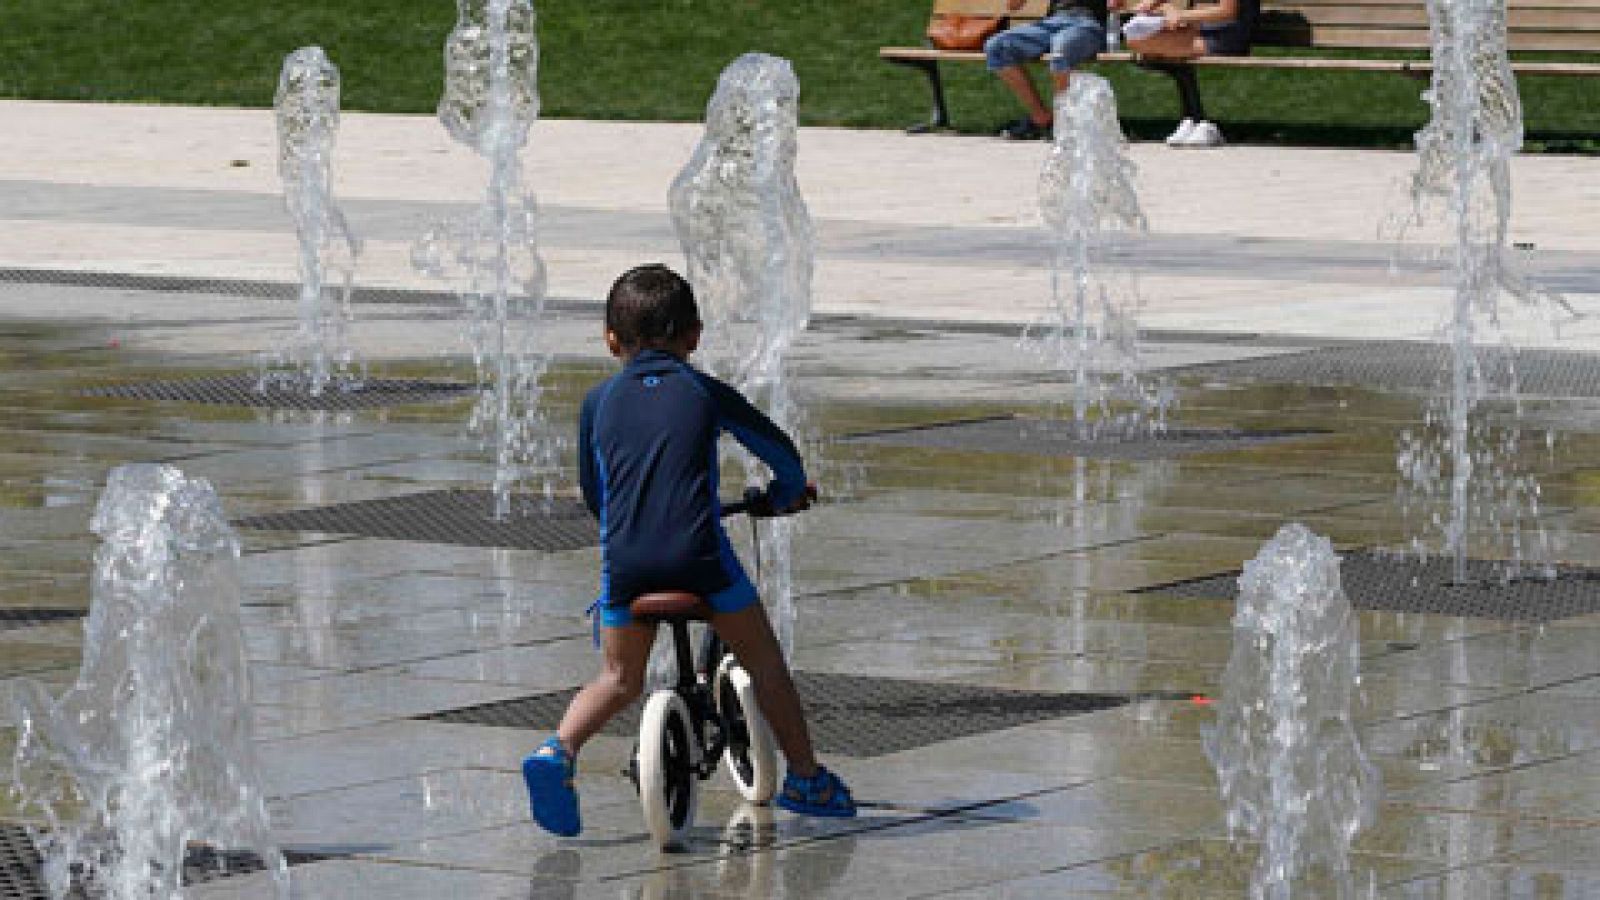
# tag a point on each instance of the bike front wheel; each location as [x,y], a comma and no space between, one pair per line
[669,755]
[751,757]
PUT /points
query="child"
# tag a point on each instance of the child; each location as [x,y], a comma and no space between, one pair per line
[647,463]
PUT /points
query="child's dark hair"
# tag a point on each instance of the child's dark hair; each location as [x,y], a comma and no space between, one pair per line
[650,306]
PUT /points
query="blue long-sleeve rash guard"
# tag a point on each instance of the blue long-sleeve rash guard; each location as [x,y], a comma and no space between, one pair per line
[647,463]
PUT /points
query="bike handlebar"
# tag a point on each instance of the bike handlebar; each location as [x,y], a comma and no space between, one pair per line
[757,505]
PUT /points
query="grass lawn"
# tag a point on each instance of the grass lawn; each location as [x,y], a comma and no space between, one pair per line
[658,59]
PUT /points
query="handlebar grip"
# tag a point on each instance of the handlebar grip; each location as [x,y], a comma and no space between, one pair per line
[757,504]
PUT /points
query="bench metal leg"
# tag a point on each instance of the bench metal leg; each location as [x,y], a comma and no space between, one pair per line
[941,113]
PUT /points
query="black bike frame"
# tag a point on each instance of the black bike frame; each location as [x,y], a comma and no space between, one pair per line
[694,681]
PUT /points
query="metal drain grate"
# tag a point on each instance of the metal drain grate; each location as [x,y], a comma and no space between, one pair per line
[187,284]
[21,879]
[446,517]
[1381,581]
[241,390]
[239,287]
[1414,367]
[1053,437]
[850,715]
[29,616]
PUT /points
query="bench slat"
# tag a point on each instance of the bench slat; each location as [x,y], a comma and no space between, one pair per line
[1415,17]
[929,53]
[1293,62]
[1352,37]
[1592,6]
[1033,9]
[1574,69]
[1567,69]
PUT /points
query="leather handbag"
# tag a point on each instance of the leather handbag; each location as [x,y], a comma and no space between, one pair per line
[955,31]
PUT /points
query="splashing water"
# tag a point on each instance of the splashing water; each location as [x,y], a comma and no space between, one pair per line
[1460,470]
[1086,196]
[1293,772]
[747,238]
[490,103]
[318,355]
[151,747]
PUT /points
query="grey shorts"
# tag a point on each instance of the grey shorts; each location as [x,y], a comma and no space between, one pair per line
[1072,37]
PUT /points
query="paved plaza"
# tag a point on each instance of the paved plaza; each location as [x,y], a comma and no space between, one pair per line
[1074,592]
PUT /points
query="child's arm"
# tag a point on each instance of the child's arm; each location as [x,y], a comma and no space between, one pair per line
[588,473]
[751,427]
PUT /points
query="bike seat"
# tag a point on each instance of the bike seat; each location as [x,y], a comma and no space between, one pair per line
[664,605]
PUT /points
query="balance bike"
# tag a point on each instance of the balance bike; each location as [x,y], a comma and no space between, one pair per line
[709,715]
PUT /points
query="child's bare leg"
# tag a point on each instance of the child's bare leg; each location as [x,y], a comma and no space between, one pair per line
[749,634]
[626,650]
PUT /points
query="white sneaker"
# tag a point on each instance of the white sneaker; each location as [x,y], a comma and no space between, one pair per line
[1180,135]
[1203,134]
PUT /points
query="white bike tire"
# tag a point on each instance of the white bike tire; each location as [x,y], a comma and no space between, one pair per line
[751,758]
[669,788]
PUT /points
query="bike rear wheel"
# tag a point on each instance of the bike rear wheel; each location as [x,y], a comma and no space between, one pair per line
[669,755]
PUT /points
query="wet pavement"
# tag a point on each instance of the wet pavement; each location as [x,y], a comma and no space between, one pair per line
[158,252]
[1008,571]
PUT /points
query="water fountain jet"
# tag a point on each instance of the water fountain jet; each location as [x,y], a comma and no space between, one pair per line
[748,242]
[151,748]
[1292,770]
[1463,179]
[490,103]
[318,355]
[1087,198]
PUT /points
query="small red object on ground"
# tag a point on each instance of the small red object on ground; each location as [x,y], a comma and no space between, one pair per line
[1200,700]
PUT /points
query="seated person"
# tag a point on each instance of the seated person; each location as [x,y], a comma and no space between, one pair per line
[1218,29]
[1073,30]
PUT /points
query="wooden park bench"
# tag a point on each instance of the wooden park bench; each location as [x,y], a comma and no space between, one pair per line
[1389,31]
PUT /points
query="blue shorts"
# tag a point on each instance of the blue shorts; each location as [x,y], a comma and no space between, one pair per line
[1072,37]
[739,594]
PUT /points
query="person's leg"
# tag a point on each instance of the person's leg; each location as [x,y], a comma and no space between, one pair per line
[1189,92]
[626,655]
[809,788]
[1077,41]
[748,633]
[1183,77]
[1016,78]
[1006,55]
[1168,52]
[548,771]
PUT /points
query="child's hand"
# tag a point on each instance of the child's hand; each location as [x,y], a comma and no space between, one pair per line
[803,502]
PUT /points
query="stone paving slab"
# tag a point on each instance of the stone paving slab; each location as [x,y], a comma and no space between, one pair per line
[174,190]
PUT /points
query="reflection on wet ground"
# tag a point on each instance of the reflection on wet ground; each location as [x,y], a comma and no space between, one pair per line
[1001,570]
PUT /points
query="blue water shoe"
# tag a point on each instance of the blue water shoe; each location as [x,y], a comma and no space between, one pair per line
[823,794]
[548,772]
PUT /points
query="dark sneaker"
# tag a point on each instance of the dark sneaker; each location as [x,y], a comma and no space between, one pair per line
[1025,129]
[823,794]
[548,773]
